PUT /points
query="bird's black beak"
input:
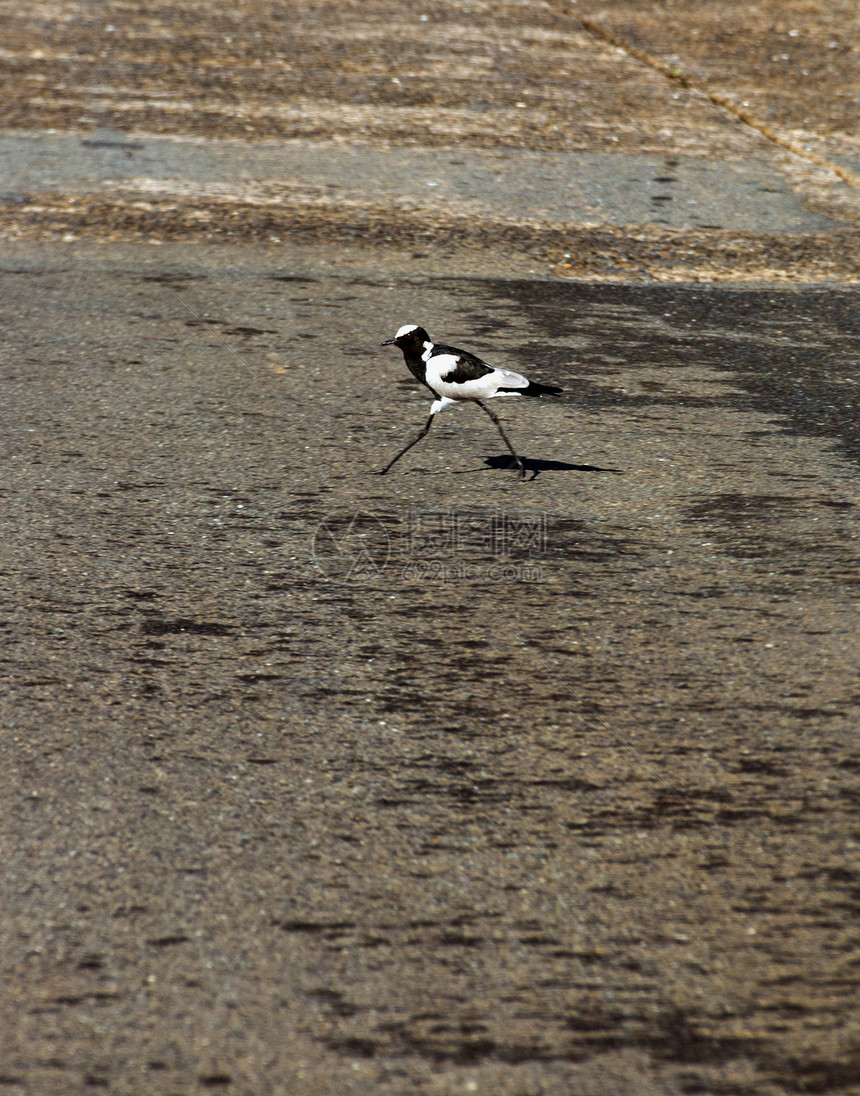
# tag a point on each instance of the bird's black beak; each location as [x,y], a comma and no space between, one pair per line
[388,342]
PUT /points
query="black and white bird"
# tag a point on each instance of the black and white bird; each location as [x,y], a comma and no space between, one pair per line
[455,376]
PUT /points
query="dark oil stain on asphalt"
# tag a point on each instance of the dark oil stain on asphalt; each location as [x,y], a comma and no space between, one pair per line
[795,353]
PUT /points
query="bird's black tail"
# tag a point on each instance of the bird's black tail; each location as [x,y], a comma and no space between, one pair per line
[535,389]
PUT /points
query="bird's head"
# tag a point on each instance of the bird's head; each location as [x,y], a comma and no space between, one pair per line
[409,337]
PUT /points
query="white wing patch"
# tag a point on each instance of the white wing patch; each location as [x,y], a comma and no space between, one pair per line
[438,365]
[481,388]
[507,378]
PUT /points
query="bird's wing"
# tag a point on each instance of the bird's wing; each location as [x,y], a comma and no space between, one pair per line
[455,366]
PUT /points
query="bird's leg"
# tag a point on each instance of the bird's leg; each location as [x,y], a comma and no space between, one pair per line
[406,449]
[495,419]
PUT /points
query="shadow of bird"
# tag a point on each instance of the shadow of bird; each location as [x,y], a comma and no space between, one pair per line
[535,465]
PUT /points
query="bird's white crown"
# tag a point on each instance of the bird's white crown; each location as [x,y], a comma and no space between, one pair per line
[406,329]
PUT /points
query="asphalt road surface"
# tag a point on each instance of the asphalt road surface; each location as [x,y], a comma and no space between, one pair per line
[442,782]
